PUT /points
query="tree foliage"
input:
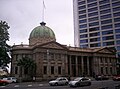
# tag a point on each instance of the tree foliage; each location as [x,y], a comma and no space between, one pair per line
[28,65]
[4,47]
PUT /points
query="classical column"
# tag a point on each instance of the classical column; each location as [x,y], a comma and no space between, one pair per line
[82,64]
[76,58]
[70,65]
[88,69]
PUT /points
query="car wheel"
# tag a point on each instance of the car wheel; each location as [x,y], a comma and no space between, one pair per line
[66,83]
[56,84]
[4,84]
[76,85]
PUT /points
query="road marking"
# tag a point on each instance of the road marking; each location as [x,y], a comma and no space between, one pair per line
[40,84]
[3,86]
[16,86]
[29,85]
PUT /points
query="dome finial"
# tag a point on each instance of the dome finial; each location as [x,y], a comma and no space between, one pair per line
[43,23]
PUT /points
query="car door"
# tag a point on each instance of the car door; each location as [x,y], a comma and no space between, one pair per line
[64,81]
[84,81]
[60,81]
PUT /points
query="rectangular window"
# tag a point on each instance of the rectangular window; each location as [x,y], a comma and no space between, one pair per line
[101,60]
[81,7]
[52,69]
[92,14]
[82,16]
[91,1]
[106,68]
[106,27]
[83,11]
[16,70]
[81,3]
[108,43]
[103,1]
[59,69]
[84,46]
[116,9]
[117,25]
[83,31]
[118,42]
[101,70]
[95,39]
[93,19]
[111,70]
[82,21]
[117,30]
[116,4]
[106,21]
[25,70]
[116,14]
[83,36]
[83,26]
[105,11]
[45,69]
[105,16]
[105,6]
[107,32]
[93,24]
[95,34]
[92,9]
[84,41]
[117,19]
[118,48]
[93,29]
[92,4]
[108,37]
[118,36]
[95,45]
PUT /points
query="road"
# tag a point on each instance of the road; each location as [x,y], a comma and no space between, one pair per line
[110,84]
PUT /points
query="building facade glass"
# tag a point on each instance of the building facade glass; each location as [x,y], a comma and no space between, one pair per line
[97,23]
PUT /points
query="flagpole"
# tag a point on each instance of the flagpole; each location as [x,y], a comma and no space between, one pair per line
[43,11]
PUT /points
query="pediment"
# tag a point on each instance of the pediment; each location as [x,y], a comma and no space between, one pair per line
[53,45]
[105,50]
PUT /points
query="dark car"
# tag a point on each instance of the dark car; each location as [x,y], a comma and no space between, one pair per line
[101,77]
[116,78]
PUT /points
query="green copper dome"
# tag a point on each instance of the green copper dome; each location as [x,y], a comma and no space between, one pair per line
[42,31]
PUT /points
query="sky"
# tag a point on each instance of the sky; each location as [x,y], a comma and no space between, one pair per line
[24,15]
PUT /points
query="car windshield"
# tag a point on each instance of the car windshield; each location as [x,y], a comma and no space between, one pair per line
[58,79]
[77,79]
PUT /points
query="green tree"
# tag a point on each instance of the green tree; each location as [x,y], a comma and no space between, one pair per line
[4,47]
[28,65]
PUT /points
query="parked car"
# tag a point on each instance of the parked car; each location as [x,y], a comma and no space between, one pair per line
[101,77]
[80,81]
[116,78]
[59,81]
[3,82]
[10,79]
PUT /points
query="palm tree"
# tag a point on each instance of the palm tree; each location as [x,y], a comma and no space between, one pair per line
[28,65]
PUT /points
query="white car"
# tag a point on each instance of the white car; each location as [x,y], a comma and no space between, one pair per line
[80,81]
[10,79]
[59,81]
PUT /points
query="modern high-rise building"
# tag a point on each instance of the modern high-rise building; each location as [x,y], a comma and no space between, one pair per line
[97,23]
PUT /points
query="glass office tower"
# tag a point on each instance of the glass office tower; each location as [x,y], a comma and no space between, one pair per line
[97,23]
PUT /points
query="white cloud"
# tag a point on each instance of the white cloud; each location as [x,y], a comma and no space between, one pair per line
[24,15]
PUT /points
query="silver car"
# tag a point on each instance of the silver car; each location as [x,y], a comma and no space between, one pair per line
[59,81]
[80,81]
